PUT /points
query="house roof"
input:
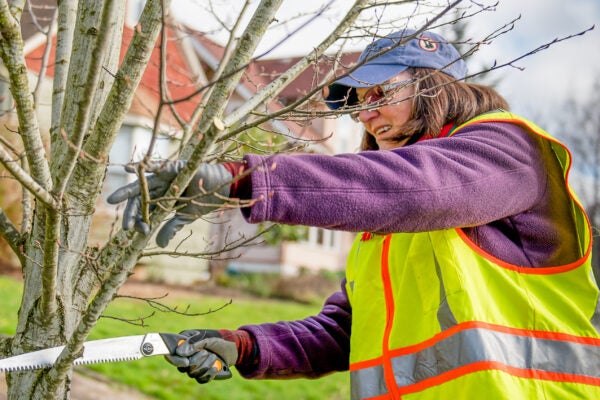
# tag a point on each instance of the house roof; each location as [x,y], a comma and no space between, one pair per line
[256,78]
[309,78]
[192,58]
[180,81]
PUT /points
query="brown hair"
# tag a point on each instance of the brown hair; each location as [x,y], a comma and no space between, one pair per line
[439,100]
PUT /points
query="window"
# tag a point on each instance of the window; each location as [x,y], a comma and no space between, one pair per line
[324,238]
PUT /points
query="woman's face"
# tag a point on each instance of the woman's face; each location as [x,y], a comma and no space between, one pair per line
[385,123]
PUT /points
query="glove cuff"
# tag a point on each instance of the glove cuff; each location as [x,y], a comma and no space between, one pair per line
[241,188]
[245,343]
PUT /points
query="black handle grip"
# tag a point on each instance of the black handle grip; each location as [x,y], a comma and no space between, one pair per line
[172,340]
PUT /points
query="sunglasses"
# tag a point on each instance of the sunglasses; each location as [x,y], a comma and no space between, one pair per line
[378,94]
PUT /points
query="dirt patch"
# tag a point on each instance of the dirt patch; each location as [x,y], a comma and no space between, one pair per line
[89,385]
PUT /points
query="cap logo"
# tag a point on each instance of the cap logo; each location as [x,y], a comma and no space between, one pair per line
[428,44]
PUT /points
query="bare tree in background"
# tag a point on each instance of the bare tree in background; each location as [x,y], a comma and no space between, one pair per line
[579,123]
[69,282]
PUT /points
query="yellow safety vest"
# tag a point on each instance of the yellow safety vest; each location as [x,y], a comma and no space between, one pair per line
[436,317]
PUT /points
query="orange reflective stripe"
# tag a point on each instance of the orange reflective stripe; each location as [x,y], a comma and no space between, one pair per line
[524,270]
[559,358]
[388,370]
[366,364]
[492,365]
[498,328]
[524,354]
[426,324]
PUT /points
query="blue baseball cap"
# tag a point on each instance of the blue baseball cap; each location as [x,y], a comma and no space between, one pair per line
[425,50]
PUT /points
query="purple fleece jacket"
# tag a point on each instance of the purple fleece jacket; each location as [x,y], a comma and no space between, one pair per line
[499,183]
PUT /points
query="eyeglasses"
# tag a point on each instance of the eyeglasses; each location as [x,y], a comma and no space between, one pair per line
[377,95]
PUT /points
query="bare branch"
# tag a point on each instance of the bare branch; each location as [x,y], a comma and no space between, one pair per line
[126,81]
[544,46]
[227,53]
[210,124]
[139,321]
[46,56]
[82,121]
[211,255]
[67,12]
[12,236]
[120,99]
[277,85]
[124,258]
[229,79]
[272,89]
[26,180]
[26,203]
[11,50]
[161,307]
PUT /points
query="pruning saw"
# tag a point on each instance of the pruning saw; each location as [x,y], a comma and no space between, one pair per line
[124,348]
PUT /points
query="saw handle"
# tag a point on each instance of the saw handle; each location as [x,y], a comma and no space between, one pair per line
[173,340]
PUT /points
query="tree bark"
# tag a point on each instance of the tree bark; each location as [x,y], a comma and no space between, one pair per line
[55,296]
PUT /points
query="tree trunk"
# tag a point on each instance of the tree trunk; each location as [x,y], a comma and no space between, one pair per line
[94,54]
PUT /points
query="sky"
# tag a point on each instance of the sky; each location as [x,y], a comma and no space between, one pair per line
[536,85]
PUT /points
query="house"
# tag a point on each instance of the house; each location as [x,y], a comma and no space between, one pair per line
[192,59]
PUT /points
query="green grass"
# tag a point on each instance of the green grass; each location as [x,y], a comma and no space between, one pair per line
[157,378]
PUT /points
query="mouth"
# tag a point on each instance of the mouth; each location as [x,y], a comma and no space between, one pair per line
[382,130]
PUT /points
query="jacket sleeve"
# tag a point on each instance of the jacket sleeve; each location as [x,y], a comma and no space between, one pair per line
[483,173]
[307,348]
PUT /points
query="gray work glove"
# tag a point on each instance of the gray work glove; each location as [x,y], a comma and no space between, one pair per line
[209,177]
[199,356]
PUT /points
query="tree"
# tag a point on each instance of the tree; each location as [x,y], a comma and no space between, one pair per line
[68,281]
[579,123]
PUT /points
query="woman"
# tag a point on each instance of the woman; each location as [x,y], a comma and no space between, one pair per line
[471,269]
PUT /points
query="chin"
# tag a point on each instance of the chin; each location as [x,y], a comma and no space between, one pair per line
[390,145]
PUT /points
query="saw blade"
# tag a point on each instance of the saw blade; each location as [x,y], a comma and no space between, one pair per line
[124,348]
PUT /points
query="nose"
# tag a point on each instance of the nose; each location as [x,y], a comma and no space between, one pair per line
[366,115]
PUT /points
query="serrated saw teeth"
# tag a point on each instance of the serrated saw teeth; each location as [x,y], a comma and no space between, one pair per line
[20,368]
[97,361]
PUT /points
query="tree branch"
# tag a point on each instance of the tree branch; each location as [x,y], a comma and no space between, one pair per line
[126,81]
[226,83]
[26,180]
[211,255]
[207,89]
[289,75]
[11,51]
[12,236]
[119,101]
[210,123]
[82,120]
[45,57]
[50,264]
[67,12]
[121,259]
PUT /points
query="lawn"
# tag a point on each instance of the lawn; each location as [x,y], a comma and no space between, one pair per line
[155,377]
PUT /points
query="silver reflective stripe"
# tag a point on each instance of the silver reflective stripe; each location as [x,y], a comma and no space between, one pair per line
[368,382]
[479,344]
[596,318]
[445,315]
[473,345]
